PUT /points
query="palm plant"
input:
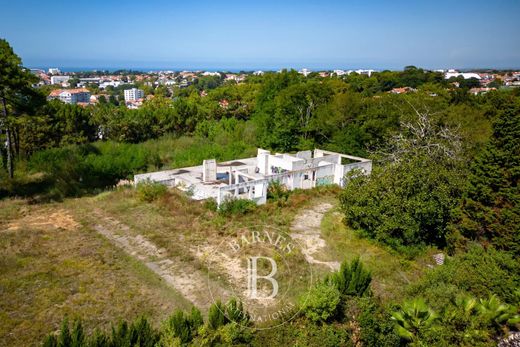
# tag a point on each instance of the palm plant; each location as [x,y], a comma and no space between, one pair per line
[413,318]
[498,313]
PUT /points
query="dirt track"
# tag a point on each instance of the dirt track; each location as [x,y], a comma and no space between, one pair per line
[306,230]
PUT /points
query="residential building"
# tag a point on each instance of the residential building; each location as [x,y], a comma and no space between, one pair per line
[59,79]
[466,75]
[209,73]
[477,91]
[54,71]
[249,178]
[71,96]
[402,90]
[114,84]
[133,94]
[305,72]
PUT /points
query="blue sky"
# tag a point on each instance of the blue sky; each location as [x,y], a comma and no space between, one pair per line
[264,34]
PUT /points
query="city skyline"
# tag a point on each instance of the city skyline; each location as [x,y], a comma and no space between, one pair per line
[267,35]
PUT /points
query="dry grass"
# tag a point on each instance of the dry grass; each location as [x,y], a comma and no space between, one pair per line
[55,263]
[51,266]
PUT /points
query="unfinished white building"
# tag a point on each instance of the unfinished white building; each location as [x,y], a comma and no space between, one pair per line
[249,178]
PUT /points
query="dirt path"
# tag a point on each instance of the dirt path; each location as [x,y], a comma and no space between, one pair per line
[306,230]
[182,276]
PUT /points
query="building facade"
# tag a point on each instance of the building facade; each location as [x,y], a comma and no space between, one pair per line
[133,94]
[70,96]
[59,79]
[250,178]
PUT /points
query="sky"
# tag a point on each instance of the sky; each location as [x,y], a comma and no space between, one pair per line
[250,34]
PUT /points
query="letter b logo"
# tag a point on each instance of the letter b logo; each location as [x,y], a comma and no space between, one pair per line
[252,277]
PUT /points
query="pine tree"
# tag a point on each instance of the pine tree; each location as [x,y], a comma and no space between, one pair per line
[14,81]
[490,211]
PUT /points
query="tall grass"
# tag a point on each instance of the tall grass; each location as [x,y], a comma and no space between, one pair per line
[78,169]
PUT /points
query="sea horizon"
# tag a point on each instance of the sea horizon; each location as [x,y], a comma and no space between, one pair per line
[245,69]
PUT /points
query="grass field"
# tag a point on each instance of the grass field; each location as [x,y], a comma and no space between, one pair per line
[55,261]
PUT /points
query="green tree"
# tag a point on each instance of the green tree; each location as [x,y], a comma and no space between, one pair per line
[409,197]
[490,211]
[15,83]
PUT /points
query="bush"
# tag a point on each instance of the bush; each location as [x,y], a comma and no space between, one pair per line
[150,191]
[138,333]
[321,303]
[216,316]
[408,201]
[277,192]
[235,312]
[182,327]
[211,204]
[376,327]
[351,279]
[232,206]
[78,169]
[478,272]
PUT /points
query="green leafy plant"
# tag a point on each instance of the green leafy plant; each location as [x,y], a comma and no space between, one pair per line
[351,279]
[321,302]
[149,191]
[413,318]
[233,206]
[182,326]
[216,315]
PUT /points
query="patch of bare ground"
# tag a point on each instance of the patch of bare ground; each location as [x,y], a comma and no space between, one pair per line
[50,219]
[306,230]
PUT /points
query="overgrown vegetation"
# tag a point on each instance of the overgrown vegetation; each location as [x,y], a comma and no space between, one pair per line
[445,179]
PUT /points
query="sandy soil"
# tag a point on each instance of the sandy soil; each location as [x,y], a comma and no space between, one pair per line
[306,230]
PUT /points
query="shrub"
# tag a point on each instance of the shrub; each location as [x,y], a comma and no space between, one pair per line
[216,316]
[376,327]
[235,312]
[150,191]
[321,303]
[351,279]
[211,204]
[138,333]
[182,326]
[234,334]
[232,206]
[277,192]
[477,272]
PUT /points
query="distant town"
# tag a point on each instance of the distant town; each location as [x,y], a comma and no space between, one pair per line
[132,88]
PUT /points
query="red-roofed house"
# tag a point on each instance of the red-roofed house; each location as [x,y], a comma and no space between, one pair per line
[70,96]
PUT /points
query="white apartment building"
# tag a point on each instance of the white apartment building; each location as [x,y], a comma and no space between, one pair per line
[133,94]
[71,96]
[54,71]
[59,79]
